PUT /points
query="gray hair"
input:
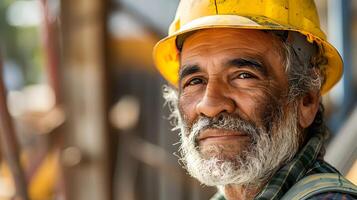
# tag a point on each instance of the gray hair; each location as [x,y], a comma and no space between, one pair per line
[303,76]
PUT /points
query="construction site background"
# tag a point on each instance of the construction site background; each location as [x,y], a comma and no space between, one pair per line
[81,111]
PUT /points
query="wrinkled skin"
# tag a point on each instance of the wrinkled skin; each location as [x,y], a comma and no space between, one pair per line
[240,73]
[220,80]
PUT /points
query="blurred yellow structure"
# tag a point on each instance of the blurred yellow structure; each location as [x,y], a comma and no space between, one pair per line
[81,60]
[43,182]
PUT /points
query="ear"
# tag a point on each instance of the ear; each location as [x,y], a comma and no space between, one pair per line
[307,108]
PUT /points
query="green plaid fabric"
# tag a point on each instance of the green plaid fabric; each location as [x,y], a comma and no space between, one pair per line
[307,162]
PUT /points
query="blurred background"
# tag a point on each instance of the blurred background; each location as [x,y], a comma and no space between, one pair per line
[81,112]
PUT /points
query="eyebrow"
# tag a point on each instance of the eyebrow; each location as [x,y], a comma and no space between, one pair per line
[187,70]
[244,62]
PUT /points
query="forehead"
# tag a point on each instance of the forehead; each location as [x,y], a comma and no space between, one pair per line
[214,42]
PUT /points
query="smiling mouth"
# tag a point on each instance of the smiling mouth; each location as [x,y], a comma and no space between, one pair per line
[220,136]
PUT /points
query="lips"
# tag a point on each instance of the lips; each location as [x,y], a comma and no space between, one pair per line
[219,135]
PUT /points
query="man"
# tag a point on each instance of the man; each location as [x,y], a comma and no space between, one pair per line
[248,77]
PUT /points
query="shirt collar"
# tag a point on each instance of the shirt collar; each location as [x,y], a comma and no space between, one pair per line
[292,172]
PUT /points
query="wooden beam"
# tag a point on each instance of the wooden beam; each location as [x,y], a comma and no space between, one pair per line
[9,144]
[85,154]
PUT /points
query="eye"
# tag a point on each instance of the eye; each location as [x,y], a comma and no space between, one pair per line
[245,75]
[194,81]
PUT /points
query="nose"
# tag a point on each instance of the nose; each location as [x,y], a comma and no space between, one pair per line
[215,101]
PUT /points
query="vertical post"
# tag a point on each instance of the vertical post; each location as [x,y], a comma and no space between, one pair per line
[339,33]
[50,39]
[9,145]
[83,75]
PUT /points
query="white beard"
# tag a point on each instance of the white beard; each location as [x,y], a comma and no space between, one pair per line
[252,166]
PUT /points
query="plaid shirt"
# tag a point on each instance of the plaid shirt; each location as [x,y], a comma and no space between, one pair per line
[307,162]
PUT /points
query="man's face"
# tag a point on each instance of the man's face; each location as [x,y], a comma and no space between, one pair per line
[232,102]
[238,72]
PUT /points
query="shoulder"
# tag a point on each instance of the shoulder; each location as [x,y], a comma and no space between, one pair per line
[332,196]
[326,186]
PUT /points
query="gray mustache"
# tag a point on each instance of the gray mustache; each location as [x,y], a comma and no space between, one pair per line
[225,122]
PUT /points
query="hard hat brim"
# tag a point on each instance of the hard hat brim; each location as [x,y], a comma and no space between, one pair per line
[166,54]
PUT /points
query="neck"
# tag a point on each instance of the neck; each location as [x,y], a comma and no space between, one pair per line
[238,192]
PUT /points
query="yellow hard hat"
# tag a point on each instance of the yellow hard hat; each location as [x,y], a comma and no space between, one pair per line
[291,15]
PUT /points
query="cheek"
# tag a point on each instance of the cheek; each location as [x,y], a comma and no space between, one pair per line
[257,104]
[249,106]
[269,108]
[187,106]
[269,113]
